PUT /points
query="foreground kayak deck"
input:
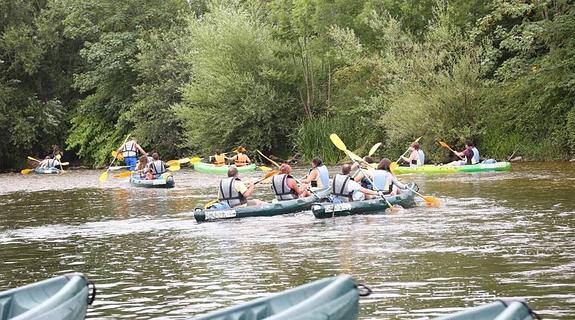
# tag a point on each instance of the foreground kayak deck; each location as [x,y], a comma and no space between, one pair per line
[51,170]
[405,199]
[162,182]
[267,210]
[64,297]
[499,310]
[210,168]
[334,298]
[432,169]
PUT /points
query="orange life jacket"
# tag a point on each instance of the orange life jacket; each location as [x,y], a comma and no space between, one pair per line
[241,160]
[219,160]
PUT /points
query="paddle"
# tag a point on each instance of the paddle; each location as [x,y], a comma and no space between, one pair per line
[178,161]
[34,159]
[173,167]
[118,155]
[373,149]
[341,146]
[268,175]
[429,200]
[104,176]
[270,160]
[26,171]
[445,145]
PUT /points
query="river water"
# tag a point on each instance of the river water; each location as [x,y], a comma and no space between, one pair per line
[497,235]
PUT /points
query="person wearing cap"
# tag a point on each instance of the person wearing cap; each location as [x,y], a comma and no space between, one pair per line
[241,159]
[345,189]
[233,192]
[130,151]
[416,157]
[318,175]
[285,186]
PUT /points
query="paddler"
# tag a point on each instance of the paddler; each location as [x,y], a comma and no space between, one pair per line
[285,186]
[48,162]
[241,159]
[318,175]
[233,192]
[345,189]
[130,151]
[158,166]
[416,157]
[470,154]
[219,159]
[383,180]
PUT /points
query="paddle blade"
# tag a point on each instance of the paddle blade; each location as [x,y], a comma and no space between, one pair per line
[373,149]
[118,155]
[34,159]
[393,167]
[354,157]
[445,145]
[26,171]
[337,142]
[432,201]
[65,163]
[173,162]
[123,174]
[175,167]
[183,160]
[104,176]
[264,168]
[195,160]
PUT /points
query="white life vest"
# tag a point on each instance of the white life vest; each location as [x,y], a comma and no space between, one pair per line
[340,188]
[475,159]
[158,167]
[322,178]
[229,194]
[382,181]
[129,149]
[281,188]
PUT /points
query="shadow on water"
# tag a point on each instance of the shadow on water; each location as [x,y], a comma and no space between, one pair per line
[497,235]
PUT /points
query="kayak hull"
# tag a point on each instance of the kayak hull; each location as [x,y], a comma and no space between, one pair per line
[500,310]
[267,210]
[432,169]
[51,170]
[406,199]
[160,183]
[210,168]
[334,298]
[60,298]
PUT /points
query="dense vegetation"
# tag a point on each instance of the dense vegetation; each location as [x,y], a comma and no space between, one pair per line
[280,75]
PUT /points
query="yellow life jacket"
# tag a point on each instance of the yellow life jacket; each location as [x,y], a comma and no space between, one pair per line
[241,160]
[219,160]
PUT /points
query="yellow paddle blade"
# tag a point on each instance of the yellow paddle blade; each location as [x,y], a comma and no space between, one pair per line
[34,159]
[393,167]
[373,149]
[104,176]
[183,160]
[26,171]
[354,156]
[123,174]
[432,201]
[210,203]
[393,209]
[65,163]
[195,160]
[337,142]
[270,174]
[445,145]
[264,168]
[173,162]
[174,167]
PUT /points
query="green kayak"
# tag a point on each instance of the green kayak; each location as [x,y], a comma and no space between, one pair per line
[46,170]
[498,310]
[334,298]
[373,206]
[267,210]
[166,180]
[432,169]
[210,168]
[64,297]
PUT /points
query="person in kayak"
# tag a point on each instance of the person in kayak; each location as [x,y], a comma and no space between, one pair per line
[241,159]
[219,159]
[285,186]
[233,192]
[470,154]
[48,162]
[158,166]
[383,180]
[416,157]
[363,181]
[130,151]
[345,189]
[318,175]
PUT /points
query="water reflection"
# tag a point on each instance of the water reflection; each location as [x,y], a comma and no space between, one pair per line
[497,235]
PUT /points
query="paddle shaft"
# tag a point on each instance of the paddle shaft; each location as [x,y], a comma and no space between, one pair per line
[270,160]
[373,186]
